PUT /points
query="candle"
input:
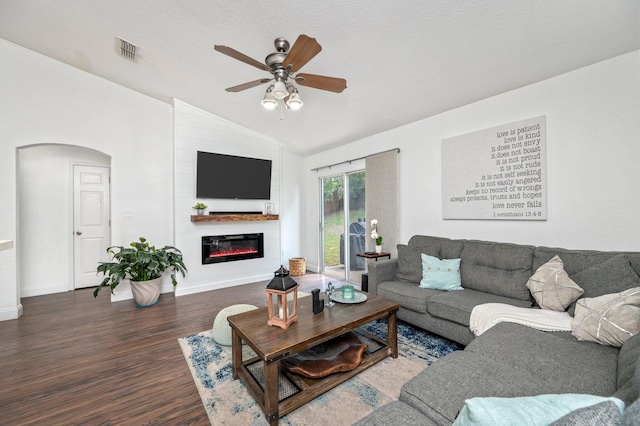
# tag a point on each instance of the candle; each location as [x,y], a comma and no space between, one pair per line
[281,312]
[347,291]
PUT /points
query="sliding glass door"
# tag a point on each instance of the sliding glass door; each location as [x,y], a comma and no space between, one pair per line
[343,225]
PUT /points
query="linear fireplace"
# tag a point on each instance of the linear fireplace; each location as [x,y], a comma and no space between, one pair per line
[228,248]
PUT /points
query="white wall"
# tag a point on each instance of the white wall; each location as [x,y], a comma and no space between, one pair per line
[593,151]
[45,209]
[291,198]
[47,102]
[197,130]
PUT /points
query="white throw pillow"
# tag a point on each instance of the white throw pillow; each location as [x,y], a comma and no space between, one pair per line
[552,288]
[610,319]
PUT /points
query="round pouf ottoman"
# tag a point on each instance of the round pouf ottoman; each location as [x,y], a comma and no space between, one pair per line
[221,328]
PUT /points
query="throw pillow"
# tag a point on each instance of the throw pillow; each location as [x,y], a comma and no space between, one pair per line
[611,276]
[409,267]
[440,274]
[552,288]
[603,414]
[527,410]
[609,320]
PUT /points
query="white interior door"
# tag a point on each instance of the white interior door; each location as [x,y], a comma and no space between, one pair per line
[91,223]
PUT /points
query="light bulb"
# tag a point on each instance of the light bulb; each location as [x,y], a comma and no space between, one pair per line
[269,102]
[294,102]
[280,90]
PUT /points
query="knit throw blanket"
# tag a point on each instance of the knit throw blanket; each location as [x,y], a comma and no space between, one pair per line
[485,316]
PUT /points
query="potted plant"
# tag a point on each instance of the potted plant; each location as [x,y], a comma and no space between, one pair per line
[376,236]
[199,207]
[143,265]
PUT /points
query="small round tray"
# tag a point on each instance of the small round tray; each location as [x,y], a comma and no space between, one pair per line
[358,297]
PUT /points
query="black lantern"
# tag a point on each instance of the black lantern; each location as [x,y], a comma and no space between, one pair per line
[282,311]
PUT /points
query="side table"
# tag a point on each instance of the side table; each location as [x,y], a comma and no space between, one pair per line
[364,284]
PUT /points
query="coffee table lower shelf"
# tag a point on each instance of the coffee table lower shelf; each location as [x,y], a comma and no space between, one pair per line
[294,390]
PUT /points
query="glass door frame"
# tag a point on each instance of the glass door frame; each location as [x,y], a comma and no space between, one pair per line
[346,220]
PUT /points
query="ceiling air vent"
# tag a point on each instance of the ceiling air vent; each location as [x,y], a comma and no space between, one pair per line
[127,49]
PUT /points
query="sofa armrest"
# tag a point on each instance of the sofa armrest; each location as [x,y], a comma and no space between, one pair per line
[380,271]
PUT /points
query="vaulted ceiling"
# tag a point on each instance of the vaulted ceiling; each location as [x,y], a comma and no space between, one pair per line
[404,60]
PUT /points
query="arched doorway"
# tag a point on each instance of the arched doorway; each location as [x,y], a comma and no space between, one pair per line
[47,178]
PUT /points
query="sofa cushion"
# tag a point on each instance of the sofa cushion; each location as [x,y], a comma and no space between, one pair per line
[441,389]
[582,367]
[579,260]
[610,319]
[442,248]
[408,295]
[440,274]
[511,360]
[497,268]
[628,380]
[456,306]
[552,288]
[409,261]
[529,410]
[611,276]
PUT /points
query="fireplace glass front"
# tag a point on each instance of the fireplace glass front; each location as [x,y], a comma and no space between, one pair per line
[229,248]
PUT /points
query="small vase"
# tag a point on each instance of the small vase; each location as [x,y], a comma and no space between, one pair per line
[378,249]
[200,212]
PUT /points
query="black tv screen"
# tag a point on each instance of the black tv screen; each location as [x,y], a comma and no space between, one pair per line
[232,177]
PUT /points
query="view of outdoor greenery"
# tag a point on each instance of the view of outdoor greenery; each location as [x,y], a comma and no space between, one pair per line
[333,190]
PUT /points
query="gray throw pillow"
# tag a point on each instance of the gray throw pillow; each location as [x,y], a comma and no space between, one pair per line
[552,288]
[632,414]
[605,413]
[611,276]
[409,267]
[610,319]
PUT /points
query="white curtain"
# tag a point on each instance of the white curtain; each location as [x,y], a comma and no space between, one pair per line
[382,199]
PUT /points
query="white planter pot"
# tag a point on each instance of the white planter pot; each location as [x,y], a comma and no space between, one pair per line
[146,293]
[379,249]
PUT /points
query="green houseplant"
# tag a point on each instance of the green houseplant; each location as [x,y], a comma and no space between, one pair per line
[199,207]
[143,265]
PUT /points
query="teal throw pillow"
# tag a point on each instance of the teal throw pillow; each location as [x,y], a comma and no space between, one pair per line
[440,274]
[527,410]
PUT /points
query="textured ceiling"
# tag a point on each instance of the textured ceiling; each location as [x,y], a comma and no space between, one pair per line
[404,60]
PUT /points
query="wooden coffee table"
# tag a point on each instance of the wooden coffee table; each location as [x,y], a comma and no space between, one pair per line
[279,392]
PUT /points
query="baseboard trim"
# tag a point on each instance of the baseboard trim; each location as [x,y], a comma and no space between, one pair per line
[11,313]
[183,291]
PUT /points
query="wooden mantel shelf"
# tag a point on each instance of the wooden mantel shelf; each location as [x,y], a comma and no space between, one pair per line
[233,217]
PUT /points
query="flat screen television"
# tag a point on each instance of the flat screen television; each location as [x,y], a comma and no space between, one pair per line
[232,177]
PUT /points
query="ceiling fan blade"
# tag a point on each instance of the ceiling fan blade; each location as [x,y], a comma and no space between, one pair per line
[248,85]
[332,84]
[302,51]
[241,57]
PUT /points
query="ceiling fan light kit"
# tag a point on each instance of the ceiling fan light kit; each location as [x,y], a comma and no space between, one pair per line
[279,90]
[269,101]
[282,65]
[294,102]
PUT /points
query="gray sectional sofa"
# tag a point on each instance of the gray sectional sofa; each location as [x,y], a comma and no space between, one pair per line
[508,360]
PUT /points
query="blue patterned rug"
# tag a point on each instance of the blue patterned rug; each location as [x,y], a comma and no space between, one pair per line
[228,403]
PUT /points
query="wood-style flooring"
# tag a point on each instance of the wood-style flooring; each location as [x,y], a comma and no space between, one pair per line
[75,360]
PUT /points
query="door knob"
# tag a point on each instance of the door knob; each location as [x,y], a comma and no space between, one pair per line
[78,233]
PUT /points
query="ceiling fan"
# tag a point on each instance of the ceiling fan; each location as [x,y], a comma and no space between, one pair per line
[283,66]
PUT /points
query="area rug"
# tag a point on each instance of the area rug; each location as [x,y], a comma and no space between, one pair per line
[227,401]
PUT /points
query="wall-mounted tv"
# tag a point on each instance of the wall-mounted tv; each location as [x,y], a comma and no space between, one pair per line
[232,177]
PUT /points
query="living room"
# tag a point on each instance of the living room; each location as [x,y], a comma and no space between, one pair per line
[55,114]
[591,134]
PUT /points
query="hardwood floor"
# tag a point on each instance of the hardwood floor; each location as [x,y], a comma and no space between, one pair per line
[75,360]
